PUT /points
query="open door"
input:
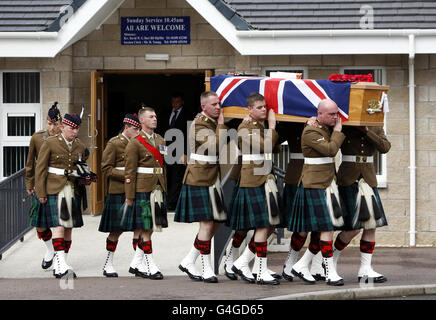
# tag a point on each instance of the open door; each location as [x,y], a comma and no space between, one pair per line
[96,136]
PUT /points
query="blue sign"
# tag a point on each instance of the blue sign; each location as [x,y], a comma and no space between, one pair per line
[155,30]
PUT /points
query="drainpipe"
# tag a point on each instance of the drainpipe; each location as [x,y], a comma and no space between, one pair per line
[412,133]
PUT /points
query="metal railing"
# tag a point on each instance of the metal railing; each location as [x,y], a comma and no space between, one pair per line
[14,210]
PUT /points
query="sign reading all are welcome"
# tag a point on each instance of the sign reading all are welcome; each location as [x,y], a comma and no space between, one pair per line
[155,30]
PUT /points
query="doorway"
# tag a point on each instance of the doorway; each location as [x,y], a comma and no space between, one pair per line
[126,93]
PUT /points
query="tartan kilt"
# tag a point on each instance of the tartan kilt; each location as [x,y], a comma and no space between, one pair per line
[193,205]
[47,213]
[249,209]
[288,197]
[349,195]
[232,200]
[111,217]
[133,219]
[37,213]
[309,211]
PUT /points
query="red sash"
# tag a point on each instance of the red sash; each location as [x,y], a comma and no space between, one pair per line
[152,149]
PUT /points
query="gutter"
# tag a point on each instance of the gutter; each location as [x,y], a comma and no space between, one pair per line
[334,33]
[28,35]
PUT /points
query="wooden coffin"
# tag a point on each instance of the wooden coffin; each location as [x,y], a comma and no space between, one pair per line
[364,107]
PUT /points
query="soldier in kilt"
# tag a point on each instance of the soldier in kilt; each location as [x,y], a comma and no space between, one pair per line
[200,198]
[145,188]
[36,212]
[256,204]
[357,183]
[113,167]
[60,188]
[291,132]
[317,205]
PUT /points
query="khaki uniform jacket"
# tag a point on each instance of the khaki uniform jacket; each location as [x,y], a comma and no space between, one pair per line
[139,156]
[203,135]
[317,142]
[292,134]
[358,143]
[55,153]
[36,142]
[114,156]
[247,130]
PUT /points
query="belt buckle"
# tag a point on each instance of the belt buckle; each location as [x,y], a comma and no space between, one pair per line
[157,170]
[361,159]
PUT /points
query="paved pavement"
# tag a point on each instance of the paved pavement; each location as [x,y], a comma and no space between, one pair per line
[411,271]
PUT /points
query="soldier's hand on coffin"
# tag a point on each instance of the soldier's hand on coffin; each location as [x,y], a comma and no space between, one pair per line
[221,117]
[247,118]
[338,125]
[30,192]
[42,200]
[311,122]
[129,202]
[271,119]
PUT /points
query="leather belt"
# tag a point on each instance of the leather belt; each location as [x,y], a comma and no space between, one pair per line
[358,159]
[146,170]
[201,157]
[323,160]
[61,172]
[257,157]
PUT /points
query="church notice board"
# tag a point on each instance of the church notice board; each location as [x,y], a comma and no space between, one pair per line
[171,30]
[295,100]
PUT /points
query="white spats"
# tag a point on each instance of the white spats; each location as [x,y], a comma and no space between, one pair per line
[301,268]
[366,273]
[331,276]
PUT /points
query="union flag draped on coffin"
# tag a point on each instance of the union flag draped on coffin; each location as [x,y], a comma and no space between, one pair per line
[294,97]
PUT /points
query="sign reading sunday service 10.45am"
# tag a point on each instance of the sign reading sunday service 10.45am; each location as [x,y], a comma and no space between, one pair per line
[155,30]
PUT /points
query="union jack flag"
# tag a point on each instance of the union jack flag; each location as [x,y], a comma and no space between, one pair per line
[295,97]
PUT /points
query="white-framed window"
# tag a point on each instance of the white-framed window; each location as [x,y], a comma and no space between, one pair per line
[266,71]
[20,114]
[379,76]
[281,160]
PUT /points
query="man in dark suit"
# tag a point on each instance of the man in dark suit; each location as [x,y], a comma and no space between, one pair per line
[177,118]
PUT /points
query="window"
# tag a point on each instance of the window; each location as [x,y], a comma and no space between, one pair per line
[281,160]
[20,110]
[379,76]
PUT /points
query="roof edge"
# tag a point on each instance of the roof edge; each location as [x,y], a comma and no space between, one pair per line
[66,12]
[231,15]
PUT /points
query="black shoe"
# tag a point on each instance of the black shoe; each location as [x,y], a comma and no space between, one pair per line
[272,282]
[46,264]
[133,271]
[318,277]
[142,274]
[380,279]
[239,273]
[336,283]
[276,276]
[110,275]
[229,275]
[211,280]
[191,276]
[156,276]
[301,276]
[287,276]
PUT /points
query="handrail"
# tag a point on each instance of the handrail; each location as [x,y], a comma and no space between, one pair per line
[14,210]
